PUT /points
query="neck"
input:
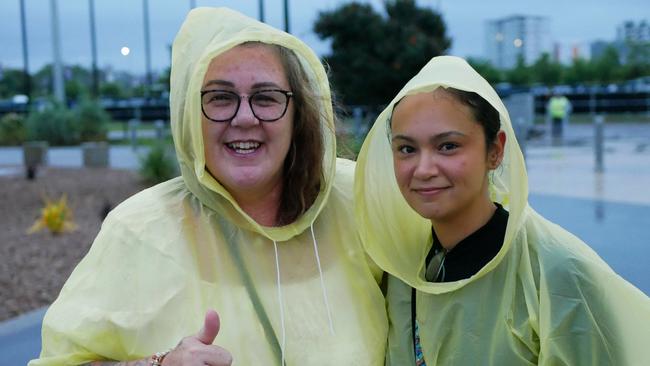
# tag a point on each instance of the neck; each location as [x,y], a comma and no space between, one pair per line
[261,207]
[452,231]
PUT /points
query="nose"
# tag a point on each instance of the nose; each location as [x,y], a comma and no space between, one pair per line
[244,116]
[426,168]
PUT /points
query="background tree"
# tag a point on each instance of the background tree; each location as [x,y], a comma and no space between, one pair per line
[12,82]
[485,69]
[519,75]
[374,55]
[638,60]
[580,71]
[607,67]
[546,71]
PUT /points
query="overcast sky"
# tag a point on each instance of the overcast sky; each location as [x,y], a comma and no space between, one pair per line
[119,23]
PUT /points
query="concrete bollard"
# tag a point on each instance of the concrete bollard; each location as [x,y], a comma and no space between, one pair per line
[599,127]
[34,155]
[133,132]
[159,124]
[95,154]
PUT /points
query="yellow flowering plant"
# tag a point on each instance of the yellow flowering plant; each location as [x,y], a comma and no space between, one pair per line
[55,216]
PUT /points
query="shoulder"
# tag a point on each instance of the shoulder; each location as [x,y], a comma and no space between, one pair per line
[567,267]
[157,199]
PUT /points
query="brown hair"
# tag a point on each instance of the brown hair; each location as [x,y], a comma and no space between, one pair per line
[303,166]
[482,111]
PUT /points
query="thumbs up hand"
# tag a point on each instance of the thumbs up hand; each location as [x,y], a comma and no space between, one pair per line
[198,349]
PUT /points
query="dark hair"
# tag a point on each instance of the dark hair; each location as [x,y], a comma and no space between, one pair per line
[303,166]
[482,111]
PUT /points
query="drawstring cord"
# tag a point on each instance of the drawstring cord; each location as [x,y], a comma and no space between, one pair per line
[279,282]
[277,277]
[322,282]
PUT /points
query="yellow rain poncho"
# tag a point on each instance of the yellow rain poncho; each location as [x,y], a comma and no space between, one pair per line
[546,298]
[166,255]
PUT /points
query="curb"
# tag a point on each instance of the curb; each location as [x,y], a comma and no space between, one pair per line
[23,321]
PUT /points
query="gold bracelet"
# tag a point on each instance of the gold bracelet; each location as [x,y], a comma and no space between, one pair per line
[157,359]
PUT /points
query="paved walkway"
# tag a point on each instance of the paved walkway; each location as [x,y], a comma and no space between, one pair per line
[601,208]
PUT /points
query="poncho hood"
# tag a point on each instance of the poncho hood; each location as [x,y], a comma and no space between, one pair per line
[205,34]
[394,235]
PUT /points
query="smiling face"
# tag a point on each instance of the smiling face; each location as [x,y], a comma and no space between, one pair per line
[440,157]
[244,154]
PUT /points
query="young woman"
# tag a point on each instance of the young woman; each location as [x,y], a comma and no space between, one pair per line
[475,275]
[259,227]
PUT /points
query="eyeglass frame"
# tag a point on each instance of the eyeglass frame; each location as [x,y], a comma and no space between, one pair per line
[287,93]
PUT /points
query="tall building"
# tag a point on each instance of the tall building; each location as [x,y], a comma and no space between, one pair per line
[516,36]
[634,32]
[628,33]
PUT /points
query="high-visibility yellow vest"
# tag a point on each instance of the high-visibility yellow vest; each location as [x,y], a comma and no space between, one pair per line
[558,106]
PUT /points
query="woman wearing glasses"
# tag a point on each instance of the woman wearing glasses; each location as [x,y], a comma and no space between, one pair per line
[259,227]
[476,276]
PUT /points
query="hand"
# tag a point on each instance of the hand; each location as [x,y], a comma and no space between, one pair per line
[198,349]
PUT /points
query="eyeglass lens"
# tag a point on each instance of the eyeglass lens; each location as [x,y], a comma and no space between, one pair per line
[221,105]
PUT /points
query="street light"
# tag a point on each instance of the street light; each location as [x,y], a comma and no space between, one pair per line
[261,8]
[286,16]
[147,48]
[59,90]
[93,47]
[27,78]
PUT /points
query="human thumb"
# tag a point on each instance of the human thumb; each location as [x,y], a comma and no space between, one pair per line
[210,328]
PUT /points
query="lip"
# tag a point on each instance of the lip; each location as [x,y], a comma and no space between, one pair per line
[429,191]
[234,152]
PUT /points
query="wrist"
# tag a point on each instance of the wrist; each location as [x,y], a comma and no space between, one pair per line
[158,357]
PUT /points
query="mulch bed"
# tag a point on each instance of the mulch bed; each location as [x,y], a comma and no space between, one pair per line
[33,267]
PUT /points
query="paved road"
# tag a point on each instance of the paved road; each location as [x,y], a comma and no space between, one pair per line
[609,210]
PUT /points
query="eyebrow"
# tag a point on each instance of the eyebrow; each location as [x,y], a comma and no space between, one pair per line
[230,84]
[434,138]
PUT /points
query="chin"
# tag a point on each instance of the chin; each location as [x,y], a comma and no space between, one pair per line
[430,212]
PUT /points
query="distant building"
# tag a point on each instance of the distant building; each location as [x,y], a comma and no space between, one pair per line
[516,36]
[626,33]
[630,31]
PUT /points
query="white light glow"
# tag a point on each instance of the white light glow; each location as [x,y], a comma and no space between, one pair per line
[125,51]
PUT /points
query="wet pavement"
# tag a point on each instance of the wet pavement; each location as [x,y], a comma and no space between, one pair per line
[609,210]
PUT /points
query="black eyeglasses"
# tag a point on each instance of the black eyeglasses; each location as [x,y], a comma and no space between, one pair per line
[223,105]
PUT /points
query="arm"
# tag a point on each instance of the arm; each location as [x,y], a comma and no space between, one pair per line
[196,349]
[143,362]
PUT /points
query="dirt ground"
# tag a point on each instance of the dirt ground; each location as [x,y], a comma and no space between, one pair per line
[33,267]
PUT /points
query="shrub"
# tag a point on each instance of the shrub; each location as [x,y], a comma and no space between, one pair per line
[92,120]
[54,124]
[159,164]
[12,129]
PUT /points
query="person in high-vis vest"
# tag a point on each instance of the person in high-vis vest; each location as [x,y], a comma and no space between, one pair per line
[558,109]
[474,275]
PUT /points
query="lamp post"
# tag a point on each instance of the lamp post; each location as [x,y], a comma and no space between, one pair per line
[286,16]
[59,90]
[261,10]
[93,48]
[27,78]
[147,48]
